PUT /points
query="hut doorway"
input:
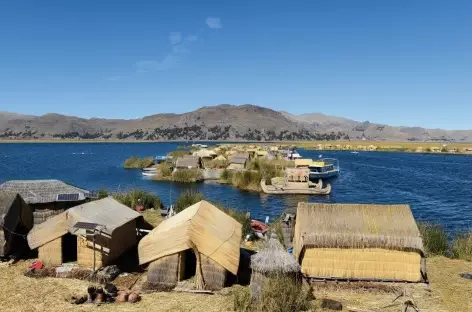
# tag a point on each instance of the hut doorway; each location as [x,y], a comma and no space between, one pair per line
[69,248]
[187,265]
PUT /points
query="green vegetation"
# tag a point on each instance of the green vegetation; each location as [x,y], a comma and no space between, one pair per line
[279,293]
[164,169]
[187,199]
[247,180]
[137,197]
[178,153]
[434,239]
[187,176]
[135,162]
[102,193]
[226,176]
[462,247]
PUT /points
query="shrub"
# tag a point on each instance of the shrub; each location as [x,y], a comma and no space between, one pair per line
[102,193]
[135,162]
[434,239]
[137,197]
[178,153]
[279,293]
[164,169]
[187,175]
[226,175]
[462,247]
[187,199]
[248,180]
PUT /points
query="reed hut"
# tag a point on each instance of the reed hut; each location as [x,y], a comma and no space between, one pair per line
[220,158]
[272,262]
[113,232]
[188,162]
[358,242]
[200,241]
[16,220]
[238,161]
[46,198]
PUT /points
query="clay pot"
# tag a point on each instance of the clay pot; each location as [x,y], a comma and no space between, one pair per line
[122,296]
[133,297]
[100,298]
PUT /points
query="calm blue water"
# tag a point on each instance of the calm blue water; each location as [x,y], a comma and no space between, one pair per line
[438,188]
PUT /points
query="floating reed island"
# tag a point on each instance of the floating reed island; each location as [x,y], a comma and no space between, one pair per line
[262,168]
[203,249]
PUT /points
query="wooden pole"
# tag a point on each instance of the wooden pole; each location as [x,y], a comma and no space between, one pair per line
[94,250]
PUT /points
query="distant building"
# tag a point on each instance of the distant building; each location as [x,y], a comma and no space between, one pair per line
[188,162]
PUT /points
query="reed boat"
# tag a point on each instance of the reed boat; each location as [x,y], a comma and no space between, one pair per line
[149,172]
[297,188]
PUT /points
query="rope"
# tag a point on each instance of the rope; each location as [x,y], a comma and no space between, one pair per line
[12,232]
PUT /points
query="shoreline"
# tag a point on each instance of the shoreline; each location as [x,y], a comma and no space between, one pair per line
[434,148]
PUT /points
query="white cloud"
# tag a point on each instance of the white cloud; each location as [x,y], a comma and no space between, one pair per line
[213,22]
[175,38]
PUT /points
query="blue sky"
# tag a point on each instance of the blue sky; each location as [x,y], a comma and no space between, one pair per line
[400,62]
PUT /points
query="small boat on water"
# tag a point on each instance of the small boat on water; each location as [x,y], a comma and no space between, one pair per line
[149,172]
[354,152]
[160,159]
[325,168]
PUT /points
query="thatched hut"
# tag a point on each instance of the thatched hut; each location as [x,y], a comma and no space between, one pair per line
[16,220]
[238,161]
[272,262]
[188,162]
[46,198]
[58,240]
[358,242]
[201,240]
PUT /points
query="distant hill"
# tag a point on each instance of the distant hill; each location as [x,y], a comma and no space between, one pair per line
[222,122]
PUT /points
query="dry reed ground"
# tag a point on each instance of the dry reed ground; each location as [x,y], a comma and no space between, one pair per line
[447,293]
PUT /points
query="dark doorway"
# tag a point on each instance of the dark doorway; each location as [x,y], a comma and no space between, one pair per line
[69,248]
[188,264]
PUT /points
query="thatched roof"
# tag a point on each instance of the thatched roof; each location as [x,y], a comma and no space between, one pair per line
[221,158]
[204,153]
[106,212]
[42,191]
[356,226]
[273,258]
[188,162]
[204,226]
[239,158]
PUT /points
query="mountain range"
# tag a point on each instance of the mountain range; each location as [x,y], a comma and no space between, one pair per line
[221,122]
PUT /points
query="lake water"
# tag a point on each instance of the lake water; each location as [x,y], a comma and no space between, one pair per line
[438,187]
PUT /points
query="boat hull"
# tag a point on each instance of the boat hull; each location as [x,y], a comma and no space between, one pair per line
[279,189]
[323,175]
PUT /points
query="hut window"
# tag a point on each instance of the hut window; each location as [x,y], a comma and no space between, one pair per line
[188,264]
[69,248]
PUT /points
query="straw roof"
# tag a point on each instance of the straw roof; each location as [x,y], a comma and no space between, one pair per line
[356,226]
[273,258]
[239,158]
[204,153]
[106,212]
[188,162]
[221,158]
[42,191]
[203,226]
